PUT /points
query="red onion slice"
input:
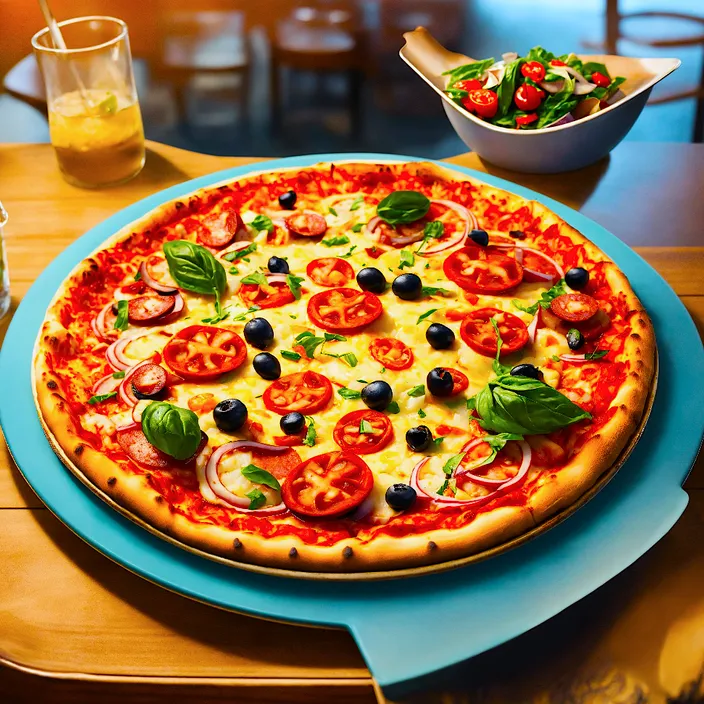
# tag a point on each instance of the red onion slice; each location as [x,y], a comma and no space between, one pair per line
[470,223]
[106,385]
[169,318]
[115,353]
[533,327]
[373,223]
[523,469]
[506,245]
[98,324]
[276,277]
[575,358]
[497,483]
[126,393]
[363,510]
[130,425]
[447,500]
[241,503]
[152,282]
[234,247]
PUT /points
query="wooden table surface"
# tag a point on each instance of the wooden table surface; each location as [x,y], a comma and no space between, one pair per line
[76,627]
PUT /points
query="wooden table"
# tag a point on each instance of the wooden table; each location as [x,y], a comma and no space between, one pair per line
[76,627]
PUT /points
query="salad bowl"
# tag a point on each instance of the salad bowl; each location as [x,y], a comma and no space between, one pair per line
[560,147]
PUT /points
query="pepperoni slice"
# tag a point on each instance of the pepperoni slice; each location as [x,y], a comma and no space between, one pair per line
[481,270]
[306,224]
[305,392]
[391,353]
[574,307]
[149,380]
[219,229]
[363,432]
[327,486]
[330,271]
[135,445]
[344,309]
[146,309]
[478,332]
[279,465]
[591,328]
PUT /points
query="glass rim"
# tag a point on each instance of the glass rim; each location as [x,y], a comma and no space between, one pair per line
[88,18]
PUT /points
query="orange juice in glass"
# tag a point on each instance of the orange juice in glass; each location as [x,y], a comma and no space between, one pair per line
[94,119]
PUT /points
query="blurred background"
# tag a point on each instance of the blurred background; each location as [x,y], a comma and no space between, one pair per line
[281,77]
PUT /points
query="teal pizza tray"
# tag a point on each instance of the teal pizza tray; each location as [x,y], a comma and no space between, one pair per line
[407,629]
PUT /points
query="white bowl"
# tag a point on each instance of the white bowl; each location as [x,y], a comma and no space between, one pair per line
[547,150]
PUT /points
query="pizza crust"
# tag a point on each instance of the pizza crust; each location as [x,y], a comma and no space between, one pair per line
[135,497]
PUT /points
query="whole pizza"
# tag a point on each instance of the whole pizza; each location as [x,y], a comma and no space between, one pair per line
[345,367]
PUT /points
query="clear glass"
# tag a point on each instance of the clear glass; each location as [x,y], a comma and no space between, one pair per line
[94,118]
[4,274]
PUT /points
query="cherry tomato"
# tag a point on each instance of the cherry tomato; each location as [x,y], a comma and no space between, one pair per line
[533,70]
[480,271]
[330,271]
[145,310]
[306,224]
[344,309]
[204,352]
[391,353]
[327,486]
[528,97]
[557,62]
[270,295]
[600,79]
[378,433]
[478,332]
[523,120]
[219,229]
[459,380]
[305,392]
[469,84]
[574,307]
[483,101]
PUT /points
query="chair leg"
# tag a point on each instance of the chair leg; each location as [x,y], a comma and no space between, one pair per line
[612,26]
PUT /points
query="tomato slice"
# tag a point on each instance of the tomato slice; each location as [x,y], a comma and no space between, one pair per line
[533,70]
[574,307]
[469,84]
[219,229]
[391,353]
[344,309]
[378,432]
[204,352]
[306,224]
[327,486]
[480,271]
[523,120]
[305,392]
[270,295]
[460,381]
[147,309]
[533,262]
[528,97]
[478,332]
[330,271]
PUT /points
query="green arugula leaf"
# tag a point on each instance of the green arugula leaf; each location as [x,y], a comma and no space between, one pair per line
[434,291]
[407,259]
[393,407]
[451,465]
[122,320]
[425,315]
[255,279]
[357,203]
[357,227]
[240,253]
[118,375]
[557,105]
[417,391]
[290,355]
[402,207]
[263,222]
[597,354]
[432,230]
[336,241]
[310,344]
[555,358]
[260,476]
[349,394]
[545,298]
[256,499]
[311,435]
[93,400]
[606,93]
[294,284]
[365,428]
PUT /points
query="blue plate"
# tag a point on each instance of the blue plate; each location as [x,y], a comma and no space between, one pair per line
[494,600]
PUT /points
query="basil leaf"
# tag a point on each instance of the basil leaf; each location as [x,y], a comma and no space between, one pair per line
[417,391]
[365,428]
[468,71]
[122,320]
[171,429]
[93,400]
[506,89]
[471,403]
[349,394]
[335,241]
[310,343]
[290,355]
[311,435]
[349,358]
[263,222]
[357,203]
[591,66]
[256,499]
[597,354]
[260,476]
[393,407]
[334,336]
[452,464]
[255,279]
[402,207]
[357,227]
[194,268]
[118,375]
[407,259]
[240,253]
[294,284]
[604,93]
[425,315]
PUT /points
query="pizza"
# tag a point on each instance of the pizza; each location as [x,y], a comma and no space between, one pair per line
[345,367]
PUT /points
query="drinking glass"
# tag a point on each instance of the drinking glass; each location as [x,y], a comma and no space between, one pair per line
[94,119]
[4,275]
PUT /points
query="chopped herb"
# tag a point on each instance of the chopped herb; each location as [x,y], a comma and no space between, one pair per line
[256,279]
[334,336]
[452,464]
[118,375]
[407,259]
[138,276]
[310,343]
[357,227]
[348,254]
[597,354]
[471,403]
[382,370]
[349,358]
[240,317]
[434,290]
[290,355]
[421,413]
[441,490]
[432,230]
[362,381]
[233,270]
[294,284]
[349,394]
[365,428]
[101,397]
[256,499]
[545,298]
[555,358]
[336,241]
[425,315]
[263,222]
[122,320]
[260,476]
[427,265]
[417,391]
[303,335]
[292,316]
[498,368]
[332,211]
[220,314]
[438,441]
[311,435]
[357,203]
[393,407]
[240,253]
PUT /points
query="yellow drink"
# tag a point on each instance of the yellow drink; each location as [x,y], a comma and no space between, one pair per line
[98,141]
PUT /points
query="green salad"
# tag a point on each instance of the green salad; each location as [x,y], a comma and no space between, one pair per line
[535,91]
